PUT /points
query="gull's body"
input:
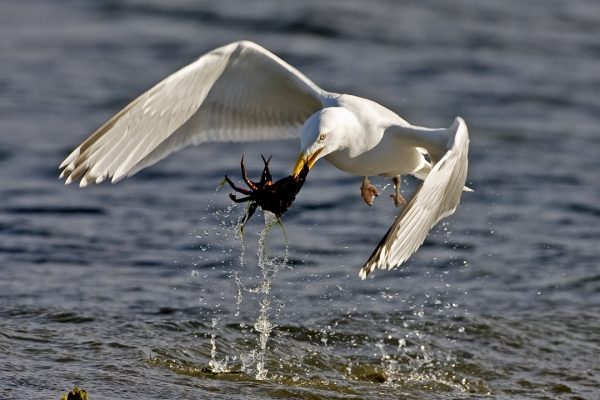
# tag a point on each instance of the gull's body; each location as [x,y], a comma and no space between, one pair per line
[242,92]
[373,152]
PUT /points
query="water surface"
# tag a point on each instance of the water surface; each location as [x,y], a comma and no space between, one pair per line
[144,290]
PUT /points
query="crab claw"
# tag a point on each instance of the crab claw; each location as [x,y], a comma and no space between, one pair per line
[266,178]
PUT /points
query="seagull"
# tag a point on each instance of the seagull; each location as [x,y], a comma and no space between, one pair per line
[241,92]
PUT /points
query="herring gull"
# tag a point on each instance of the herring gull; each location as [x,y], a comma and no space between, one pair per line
[242,92]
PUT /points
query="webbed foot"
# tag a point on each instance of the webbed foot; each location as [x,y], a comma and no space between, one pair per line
[368,191]
[399,200]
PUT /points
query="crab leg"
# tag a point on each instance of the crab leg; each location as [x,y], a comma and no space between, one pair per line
[250,184]
[240,200]
[237,189]
[251,211]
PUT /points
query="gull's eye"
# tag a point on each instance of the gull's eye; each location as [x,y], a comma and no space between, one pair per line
[322,136]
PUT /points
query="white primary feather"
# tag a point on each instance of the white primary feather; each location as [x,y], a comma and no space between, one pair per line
[238,92]
[437,198]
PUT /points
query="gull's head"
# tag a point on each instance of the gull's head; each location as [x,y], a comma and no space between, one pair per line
[323,133]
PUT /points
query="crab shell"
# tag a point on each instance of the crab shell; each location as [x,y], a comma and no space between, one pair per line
[276,197]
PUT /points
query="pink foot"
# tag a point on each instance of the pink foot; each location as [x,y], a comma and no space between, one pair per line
[368,192]
[399,200]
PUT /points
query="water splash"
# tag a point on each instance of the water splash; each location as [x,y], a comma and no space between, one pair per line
[239,296]
[214,364]
[413,361]
[269,268]
[254,362]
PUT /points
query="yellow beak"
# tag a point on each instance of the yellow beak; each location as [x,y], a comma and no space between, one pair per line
[309,160]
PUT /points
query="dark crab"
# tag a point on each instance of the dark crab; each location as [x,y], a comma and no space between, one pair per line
[275,197]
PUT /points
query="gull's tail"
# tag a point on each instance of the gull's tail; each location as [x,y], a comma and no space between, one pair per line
[437,198]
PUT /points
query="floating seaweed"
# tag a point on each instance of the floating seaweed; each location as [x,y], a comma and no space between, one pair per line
[75,394]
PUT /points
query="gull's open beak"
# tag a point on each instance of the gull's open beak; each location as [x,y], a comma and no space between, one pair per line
[306,159]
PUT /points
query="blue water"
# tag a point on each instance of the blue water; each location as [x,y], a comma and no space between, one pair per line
[144,290]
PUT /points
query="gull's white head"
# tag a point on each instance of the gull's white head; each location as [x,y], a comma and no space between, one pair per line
[323,133]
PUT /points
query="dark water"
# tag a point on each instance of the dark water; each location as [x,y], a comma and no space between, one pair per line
[130,290]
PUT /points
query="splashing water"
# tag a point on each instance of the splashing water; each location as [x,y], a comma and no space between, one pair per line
[269,268]
[404,364]
[214,364]
[254,362]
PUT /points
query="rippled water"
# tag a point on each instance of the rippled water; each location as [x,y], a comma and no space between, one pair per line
[144,290]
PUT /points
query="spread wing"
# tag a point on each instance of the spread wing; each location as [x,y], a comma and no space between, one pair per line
[437,198]
[238,92]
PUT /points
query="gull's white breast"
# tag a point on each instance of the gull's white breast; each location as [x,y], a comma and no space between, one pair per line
[371,151]
[389,158]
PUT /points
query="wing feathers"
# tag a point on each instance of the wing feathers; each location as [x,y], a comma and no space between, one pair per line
[437,198]
[238,92]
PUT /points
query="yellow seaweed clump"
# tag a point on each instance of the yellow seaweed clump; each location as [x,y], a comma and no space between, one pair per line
[75,394]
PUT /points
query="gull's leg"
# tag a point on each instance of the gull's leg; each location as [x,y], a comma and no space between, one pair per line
[399,200]
[368,191]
